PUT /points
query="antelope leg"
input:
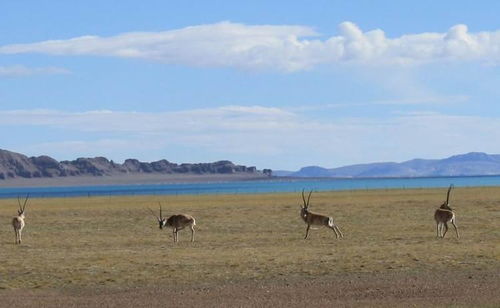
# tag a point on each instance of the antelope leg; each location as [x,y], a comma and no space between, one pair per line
[455,226]
[445,229]
[336,227]
[334,230]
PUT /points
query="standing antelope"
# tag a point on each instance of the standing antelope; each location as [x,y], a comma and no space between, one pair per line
[443,215]
[176,222]
[311,218]
[18,221]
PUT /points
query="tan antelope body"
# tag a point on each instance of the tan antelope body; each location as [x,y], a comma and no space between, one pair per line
[18,221]
[311,218]
[177,223]
[443,215]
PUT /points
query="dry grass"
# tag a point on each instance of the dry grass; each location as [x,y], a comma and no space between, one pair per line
[115,242]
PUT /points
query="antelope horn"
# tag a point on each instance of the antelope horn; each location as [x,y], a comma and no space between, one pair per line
[161,217]
[448,194]
[19,202]
[25,201]
[304,198]
[309,197]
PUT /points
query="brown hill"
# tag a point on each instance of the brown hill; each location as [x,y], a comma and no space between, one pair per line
[13,165]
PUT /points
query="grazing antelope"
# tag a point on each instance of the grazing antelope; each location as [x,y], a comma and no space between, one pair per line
[176,222]
[18,221]
[443,215]
[311,218]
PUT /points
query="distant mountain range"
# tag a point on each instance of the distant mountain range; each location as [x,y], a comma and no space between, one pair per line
[14,165]
[469,164]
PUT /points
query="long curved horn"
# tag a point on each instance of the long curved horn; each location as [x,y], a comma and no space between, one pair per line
[304,199]
[161,216]
[309,197]
[19,203]
[448,194]
[25,201]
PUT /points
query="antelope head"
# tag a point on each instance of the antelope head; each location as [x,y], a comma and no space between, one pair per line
[161,221]
[22,208]
[304,208]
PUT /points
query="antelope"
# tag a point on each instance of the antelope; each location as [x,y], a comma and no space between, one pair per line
[443,215]
[311,218]
[176,222]
[18,221]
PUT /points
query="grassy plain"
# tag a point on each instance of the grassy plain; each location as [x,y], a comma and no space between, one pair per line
[111,243]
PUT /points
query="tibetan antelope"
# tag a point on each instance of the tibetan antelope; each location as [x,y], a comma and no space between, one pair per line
[177,223]
[18,221]
[311,218]
[443,215]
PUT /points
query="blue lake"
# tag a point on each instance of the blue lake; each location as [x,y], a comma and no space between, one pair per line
[251,187]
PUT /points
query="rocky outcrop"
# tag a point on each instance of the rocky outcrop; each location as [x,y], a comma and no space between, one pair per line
[14,165]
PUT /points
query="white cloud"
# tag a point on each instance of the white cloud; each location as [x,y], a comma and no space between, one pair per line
[277,47]
[20,71]
[274,136]
[192,121]
[422,100]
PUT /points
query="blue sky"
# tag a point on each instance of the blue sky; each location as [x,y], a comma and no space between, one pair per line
[276,84]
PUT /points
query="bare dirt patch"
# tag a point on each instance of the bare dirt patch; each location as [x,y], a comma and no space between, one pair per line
[389,289]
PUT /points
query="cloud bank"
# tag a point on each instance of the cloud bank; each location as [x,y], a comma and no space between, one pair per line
[271,135]
[21,71]
[278,47]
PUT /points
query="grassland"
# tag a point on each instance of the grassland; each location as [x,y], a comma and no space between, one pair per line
[113,243]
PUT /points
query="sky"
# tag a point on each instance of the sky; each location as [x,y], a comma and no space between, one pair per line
[272,84]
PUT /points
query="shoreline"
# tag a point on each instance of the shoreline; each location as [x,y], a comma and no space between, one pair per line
[152,179]
[207,184]
[135,179]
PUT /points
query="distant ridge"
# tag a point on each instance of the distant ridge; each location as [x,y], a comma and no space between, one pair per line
[16,165]
[470,164]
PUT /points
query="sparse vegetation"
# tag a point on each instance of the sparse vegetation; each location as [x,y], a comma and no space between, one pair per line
[115,242]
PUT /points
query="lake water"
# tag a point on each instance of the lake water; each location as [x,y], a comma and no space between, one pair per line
[250,187]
